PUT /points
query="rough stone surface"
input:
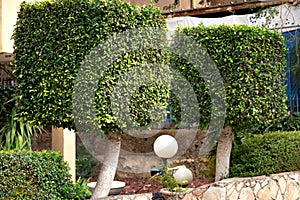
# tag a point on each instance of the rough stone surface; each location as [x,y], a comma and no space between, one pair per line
[274,189]
[188,197]
[234,195]
[247,193]
[292,191]
[132,163]
[279,197]
[284,186]
[294,176]
[256,188]
[230,189]
[214,193]
[253,183]
[239,186]
[264,194]
[265,182]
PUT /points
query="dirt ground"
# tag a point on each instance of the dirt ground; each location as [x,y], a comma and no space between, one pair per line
[140,186]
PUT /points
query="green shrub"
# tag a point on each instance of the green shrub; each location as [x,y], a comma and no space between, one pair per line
[85,163]
[251,61]
[269,153]
[7,102]
[14,132]
[37,175]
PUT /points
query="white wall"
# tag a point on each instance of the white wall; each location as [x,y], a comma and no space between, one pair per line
[8,13]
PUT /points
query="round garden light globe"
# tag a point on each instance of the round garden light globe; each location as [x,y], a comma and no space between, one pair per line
[183,176]
[165,146]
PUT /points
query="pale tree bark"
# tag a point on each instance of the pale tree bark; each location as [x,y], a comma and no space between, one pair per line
[108,170]
[223,153]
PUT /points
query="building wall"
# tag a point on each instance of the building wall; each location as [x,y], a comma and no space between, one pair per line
[8,19]
[8,16]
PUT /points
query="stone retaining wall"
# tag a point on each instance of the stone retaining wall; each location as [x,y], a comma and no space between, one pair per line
[283,186]
[273,187]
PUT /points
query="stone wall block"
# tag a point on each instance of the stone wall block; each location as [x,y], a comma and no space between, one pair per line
[230,189]
[247,193]
[279,196]
[282,185]
[239,186]
[292,191]
[274,189]
[264,194]
[233,196]
[265,182]
[252,184]
[256,188]
[215,193]
[294,176]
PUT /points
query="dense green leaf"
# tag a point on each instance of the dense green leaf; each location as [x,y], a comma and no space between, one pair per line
[251,61]
[52,39]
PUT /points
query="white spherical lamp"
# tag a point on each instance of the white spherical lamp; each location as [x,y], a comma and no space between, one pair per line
[183,176]
[165,146]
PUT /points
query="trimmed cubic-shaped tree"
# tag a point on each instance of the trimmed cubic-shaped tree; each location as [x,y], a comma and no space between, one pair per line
[52,39]
[251,61]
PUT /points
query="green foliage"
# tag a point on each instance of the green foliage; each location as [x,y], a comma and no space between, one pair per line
[269,153]
[268,14]
[288,123]
[37,175]
[7,102]
[251,62]
[14,132]
[85,163]
[168,181]
[52,39]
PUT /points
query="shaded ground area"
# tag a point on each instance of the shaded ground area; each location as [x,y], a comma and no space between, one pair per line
[139,186]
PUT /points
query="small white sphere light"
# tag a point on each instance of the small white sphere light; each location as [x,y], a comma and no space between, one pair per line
[183,176]
[165,146]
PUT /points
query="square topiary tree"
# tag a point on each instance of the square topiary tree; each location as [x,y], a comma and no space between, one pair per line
[53,38]
[251,61]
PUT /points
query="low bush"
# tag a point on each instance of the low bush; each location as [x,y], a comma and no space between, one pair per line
[269,153]
[37,175]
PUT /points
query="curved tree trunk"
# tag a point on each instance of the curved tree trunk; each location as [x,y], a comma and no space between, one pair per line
[108,170]
[223,153]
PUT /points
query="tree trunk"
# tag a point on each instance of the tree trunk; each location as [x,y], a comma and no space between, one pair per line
[223,153]
[108,170]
